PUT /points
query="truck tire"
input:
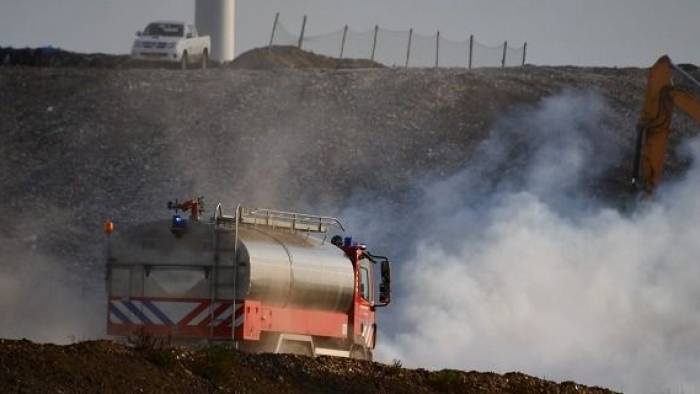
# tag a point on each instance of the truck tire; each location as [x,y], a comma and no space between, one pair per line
[184,60]
[205,59]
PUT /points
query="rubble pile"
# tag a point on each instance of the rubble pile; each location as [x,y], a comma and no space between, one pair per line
[105,367]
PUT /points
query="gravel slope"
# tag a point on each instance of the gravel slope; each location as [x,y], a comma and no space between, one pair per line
[78,145]
[87,143]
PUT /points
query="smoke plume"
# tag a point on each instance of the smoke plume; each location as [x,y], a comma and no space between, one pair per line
[518,263]
[41,299]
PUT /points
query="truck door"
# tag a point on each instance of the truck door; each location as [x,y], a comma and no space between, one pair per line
[194,46]
[364,313]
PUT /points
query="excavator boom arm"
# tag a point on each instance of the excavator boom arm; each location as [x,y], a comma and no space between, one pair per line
[654,124]
[687,102]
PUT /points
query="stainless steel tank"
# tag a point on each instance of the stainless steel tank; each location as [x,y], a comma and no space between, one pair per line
[289,269]
[275,266]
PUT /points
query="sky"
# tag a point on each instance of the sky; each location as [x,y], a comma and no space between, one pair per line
[577,32]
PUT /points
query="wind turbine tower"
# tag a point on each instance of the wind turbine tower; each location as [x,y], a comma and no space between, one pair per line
[216,18]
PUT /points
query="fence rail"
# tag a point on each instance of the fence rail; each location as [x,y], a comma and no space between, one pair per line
[400,48]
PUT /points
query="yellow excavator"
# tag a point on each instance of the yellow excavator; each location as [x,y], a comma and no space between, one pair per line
[653,129]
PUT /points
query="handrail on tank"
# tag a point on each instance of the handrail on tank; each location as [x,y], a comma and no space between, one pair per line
[235,275]
[218,212]
[290,220]
[219,216]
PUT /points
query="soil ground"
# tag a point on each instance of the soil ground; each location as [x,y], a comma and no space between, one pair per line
[105,367]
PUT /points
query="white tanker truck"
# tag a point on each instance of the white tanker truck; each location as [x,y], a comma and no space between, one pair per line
[268,281]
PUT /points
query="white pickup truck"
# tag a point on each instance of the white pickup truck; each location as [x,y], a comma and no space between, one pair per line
[174,42]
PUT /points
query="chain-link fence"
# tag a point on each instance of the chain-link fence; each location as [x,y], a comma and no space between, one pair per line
[400,48]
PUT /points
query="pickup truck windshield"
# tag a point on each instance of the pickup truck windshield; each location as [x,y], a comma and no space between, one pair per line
[164,29]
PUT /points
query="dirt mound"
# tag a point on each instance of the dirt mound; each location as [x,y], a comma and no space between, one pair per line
[256,59]
[56,57]
[293,57]
[104,367]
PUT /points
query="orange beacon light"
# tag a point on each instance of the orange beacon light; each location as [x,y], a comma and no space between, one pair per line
[108,227]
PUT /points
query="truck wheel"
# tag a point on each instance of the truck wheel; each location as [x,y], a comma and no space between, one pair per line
[205,59]
[184,60]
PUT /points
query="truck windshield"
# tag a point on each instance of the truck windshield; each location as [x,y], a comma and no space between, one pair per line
[164,29]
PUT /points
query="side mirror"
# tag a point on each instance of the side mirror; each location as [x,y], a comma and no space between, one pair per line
[139,33]
[385,285]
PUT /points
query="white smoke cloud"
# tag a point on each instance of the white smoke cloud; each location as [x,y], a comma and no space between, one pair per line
[40,299]
[518,266]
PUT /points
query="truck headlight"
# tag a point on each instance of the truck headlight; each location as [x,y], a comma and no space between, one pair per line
[171,45]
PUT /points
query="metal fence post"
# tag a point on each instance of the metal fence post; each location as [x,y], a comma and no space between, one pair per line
[505,49]
[342,43]
[301,35]
[524,52]
[471,49]
[374,41]
[408,49]
[274,30]
[437,49]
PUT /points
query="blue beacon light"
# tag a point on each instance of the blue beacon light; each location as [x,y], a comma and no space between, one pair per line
[179,224]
